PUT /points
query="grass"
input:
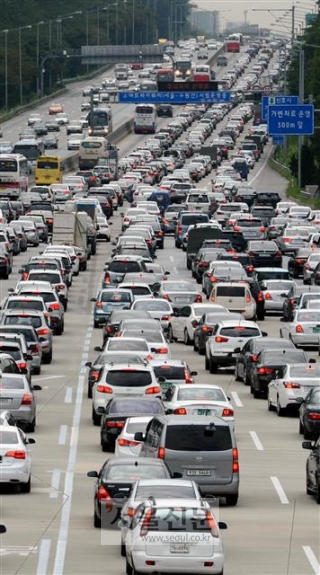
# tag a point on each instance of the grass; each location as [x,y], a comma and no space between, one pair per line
[293,191]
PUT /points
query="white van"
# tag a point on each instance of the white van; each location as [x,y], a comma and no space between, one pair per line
[235,296]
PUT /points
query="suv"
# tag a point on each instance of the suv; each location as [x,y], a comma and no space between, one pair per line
[31,337]
[119,266]
[235,296]
[186,219]
[200,448]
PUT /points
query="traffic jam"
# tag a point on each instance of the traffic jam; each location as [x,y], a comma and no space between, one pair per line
[245,256]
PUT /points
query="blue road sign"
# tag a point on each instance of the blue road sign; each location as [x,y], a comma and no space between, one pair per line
[276,100]
[291,120]
[278,140]
[173,97]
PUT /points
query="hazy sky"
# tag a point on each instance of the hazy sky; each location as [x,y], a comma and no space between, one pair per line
[233,10]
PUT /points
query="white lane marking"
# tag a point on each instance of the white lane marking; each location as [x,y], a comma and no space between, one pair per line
[280,491]
[312,559]
[21,550]
[63,435]
[58,568]
[171,258]
[47,377]
[262,167]
[256,441]
[236,399]
[43,557]
[175,270]
[68,396]
[55,483]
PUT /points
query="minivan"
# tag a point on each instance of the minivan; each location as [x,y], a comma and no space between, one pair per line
[201,448]
[235,296]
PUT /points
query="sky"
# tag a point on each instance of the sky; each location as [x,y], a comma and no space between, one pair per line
[233,10]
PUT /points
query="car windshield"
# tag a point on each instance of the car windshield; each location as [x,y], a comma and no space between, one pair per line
[195,437]
[308,315]
[130,472]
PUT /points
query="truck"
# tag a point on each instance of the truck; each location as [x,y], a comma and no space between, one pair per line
[201,41]
[121,71]
[107,168]
[233,46]
[211,151]
[70,228]
[196,237]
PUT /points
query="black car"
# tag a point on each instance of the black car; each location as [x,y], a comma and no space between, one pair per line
[5,263]
[297,261]
[268,366]
[249,354]
[236,238]
[202,261]
[309,414]
[315,278]
[264,253]
[246,195]
[114,483]
[164,111]
[313,469]
[267,199]
[118,410]
[52,126]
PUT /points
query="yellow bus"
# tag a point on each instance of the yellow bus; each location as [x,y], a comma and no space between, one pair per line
[48,170]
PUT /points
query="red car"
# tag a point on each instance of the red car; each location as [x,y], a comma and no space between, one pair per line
[137,66]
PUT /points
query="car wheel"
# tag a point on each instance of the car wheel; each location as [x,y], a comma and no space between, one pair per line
[96,521]
[301,428]
[232,500]
[260,316]
[236,376]
[96,419]
[177,245]
[195,347]
[32,426]
[307,434]
[26,487]
[89,394]
[96,323]
[170,333]
[105,447]
[213,367]
[256,393]
[206,363]
[308,490]
[129,570]
[280,410]
[186,338]
[48,357]
[122,549]
[270,406]
[59,330]
[318,494]
[37,371]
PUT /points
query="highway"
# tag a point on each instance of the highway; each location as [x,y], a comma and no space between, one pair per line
[274,529]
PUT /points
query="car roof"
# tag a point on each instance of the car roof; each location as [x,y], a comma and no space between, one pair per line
[193,420]
[136,461]
[235,323]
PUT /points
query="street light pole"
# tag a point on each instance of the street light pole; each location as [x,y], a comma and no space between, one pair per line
[301,100]
[98,25]
[6,103]
[37,56]
[133,19]
[20,60]
[117,23]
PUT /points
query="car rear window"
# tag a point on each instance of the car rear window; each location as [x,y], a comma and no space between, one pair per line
[150,336]
[128,378]
[308,315]
[240,331]
[193,438]
[279,285]
[152,305]
[195,394]
[29,320]
[134,427]
[115,296]
[124,267]
[276,275]
[307,370]
[25,304]
[125,345]
[8,382]
[140,407]
[191,219]
[290,356]
[230,291]
[29,334]
[170,372]
[165,492]
[46,277]
[179,519]
[8,437]
[129,472]
[15,352]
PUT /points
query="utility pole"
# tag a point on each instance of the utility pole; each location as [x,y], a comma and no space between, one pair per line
[301,100]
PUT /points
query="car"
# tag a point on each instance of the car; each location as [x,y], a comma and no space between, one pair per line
[52,305]
[118,410]
[248,354]
[198,399]
[274,291]
[189,445]
[293,238]
[312,469]
[297,261]
[228,336]
[35,319]
[74,141]
[309,413]
[103,229]
[55,108]
[124,344]
[17,393]
[236,297]
[95,366]
[22,360]
[62,118]
[304,329]
[114,483]
[56,280]
[74,127]
[206,324]
[169,557]
[179,293]
[172,371]
[264,253]
[292,300]
[61,193]
[50,141]
[108,300]
[126,446]
[32,341]
[138,289]
[157,308]
[122,380]
[310,266]
[32,234]
[268,364]
[292,383]
[111,327]
[185,320]
[15,457]
[154,338]
[116,269]
[143,489]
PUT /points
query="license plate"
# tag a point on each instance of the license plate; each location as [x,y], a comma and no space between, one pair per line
[5,400]
[179,548]
[182,300]
[203,412]
[202,472]
[316,330]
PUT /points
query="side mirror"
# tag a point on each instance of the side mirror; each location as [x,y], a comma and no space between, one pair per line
[307,445]
[300,400]
[3,529]
[10,290]
[88,364]
[36,388]
[98,348]
[167,273]
[176,475]
[92,474]
[222,525]
[28,356]
[153,349]
[101,410]
[161,379]
[264,334]
[94,299]
[237,350]
[31,440]
[312,360]
[21,271]
[193,373]
[139,436]
[169,411]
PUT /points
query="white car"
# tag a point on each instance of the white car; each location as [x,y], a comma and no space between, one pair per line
[138,345]
[295,382]
[126,445]
[235,296]
[151,547]
[139,290]
[198,399]
[65,249]
[158,308]
[155,339]
[273,293]
[304,330]
[184,321]
[15,457]
[103,229]
[227,340]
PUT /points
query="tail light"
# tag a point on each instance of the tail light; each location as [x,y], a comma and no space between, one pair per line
[43,331]
[166,318]
[126,443]
[165,296]
[221,339]
[99,304]
[104,389]
[300,260]
[260,296]
[307,267]
[106,278]
[268,296]
[235,463]
[226,412]
[103,494]
[179,229]
[254,358]
[60,287]
[265,370]
[162,350]
[262,229]
[24,276]
[35,348]
[130,511]
[203,264]
[26,399]
[180,411]
[160,234]
[187,376]
[94,375]
[213,279]
[153,390]
[286,240]
[299,329]
[146,522]
[237,228]
[250,269]
[291,385]
[54,306]
[314,416]
[292,301]
[194,323]
[213,527]
[213,298]
[18,454]
[149,357]
[198,299]
[22,365]
[248,298]
[161,453]
[117,424]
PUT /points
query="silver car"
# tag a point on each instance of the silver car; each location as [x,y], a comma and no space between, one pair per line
[309,266]
[274,292]
[304,330]
[36,319]
[17,395]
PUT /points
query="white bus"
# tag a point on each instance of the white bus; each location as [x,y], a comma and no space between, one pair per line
[14,171]
[144,119]
[91,150]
